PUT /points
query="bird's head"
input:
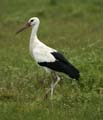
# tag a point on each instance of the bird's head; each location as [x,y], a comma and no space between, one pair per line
[34,21]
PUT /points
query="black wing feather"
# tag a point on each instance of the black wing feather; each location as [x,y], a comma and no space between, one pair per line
[62,65]
[60,57]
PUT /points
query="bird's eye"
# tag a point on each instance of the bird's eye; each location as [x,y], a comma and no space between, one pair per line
[31,20]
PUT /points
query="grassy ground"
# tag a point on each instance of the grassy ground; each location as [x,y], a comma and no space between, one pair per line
[73,27]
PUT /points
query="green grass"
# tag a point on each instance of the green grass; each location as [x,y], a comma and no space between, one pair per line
[73,27]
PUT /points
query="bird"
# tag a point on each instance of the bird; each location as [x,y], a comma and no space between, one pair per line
[48,58]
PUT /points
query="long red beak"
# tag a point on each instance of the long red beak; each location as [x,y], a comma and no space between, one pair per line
[23,28]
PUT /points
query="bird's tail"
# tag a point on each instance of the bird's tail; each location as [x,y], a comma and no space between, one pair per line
[72,71]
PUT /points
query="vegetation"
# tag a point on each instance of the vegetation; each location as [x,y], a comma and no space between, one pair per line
[73,27]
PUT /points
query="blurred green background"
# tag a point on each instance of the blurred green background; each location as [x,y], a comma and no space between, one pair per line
[73,27]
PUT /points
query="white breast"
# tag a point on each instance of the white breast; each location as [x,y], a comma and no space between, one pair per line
[42,53]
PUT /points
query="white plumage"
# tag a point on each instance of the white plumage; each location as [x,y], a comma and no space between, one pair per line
[42,53]
[39,51]
[47,57]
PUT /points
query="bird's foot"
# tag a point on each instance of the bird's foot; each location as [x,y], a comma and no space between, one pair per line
[47,93]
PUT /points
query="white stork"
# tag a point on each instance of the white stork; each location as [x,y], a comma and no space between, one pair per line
[50,59]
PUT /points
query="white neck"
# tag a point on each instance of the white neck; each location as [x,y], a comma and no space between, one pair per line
[34,31]
[33,39]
